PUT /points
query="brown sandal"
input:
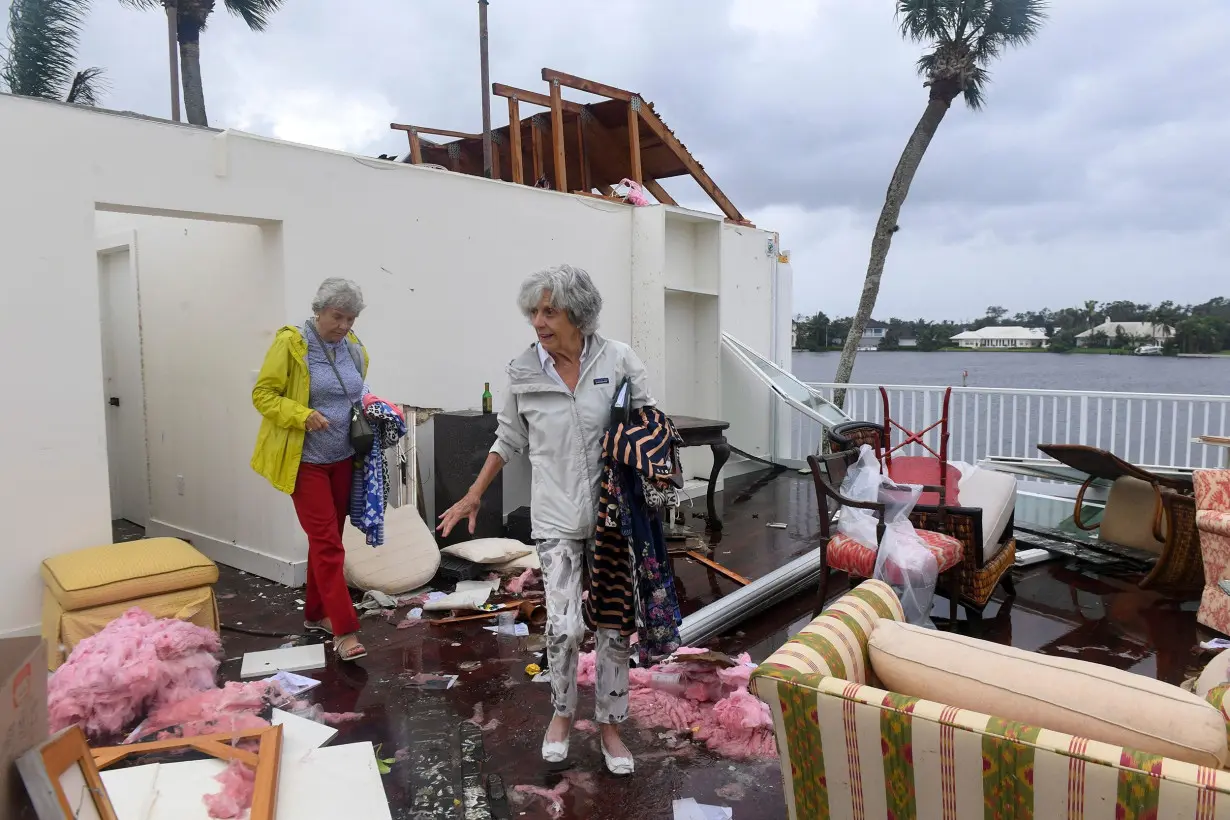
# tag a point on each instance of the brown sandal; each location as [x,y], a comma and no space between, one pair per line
[353,648]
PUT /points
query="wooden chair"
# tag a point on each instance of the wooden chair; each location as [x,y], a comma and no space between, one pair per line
[1145,512]
[841,553]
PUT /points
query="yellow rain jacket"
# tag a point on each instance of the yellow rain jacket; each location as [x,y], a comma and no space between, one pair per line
[281,395]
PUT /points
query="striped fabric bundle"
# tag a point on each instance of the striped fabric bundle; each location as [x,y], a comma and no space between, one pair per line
[639,459]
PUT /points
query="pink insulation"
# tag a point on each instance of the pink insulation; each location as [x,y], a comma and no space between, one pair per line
[238,786]
[136,663]
[233,708]
[710,702]
[527,579]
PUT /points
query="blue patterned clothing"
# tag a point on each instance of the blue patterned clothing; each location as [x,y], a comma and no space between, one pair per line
[369,492]
[326,397]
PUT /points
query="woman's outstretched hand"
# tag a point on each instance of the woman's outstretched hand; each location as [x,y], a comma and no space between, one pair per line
[467,508]
[315,422]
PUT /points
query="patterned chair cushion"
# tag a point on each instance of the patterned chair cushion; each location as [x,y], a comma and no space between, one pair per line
[847,555]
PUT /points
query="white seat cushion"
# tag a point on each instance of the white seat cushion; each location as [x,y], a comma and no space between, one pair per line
[489,550]
[1064,695]
[995,494]
[408,558]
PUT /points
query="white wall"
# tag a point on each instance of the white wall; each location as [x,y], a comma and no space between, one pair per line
[439,256]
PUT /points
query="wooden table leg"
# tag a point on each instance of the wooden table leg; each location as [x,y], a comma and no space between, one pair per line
[721,452]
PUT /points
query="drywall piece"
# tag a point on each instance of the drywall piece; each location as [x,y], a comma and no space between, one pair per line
[300,735]
[689,809]
[307,787]
[291,659]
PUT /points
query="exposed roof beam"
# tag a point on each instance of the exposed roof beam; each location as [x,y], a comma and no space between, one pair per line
[659,129]
[439,132]
[532,97]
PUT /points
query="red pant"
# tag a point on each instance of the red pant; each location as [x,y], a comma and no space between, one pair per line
[322,501]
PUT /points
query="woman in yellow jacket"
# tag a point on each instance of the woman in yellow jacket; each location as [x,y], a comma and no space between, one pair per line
[311,379]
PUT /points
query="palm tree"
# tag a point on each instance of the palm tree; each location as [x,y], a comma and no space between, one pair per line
[191,18]
[40,58]
[963,36]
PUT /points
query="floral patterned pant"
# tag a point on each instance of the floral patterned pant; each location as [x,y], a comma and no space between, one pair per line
[563,563]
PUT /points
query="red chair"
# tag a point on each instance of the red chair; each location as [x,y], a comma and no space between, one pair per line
[934,470]
[842,553]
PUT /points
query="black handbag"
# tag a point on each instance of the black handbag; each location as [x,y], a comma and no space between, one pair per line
[362,437]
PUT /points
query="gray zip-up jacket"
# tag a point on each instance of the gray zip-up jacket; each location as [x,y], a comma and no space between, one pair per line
[563,432]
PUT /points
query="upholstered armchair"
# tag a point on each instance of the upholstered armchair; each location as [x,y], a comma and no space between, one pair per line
[1213,524]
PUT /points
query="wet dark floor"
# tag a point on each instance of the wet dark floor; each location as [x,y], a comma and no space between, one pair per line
[1058,610]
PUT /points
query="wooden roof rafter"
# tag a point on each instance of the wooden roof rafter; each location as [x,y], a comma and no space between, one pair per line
[604,144]
[642,110]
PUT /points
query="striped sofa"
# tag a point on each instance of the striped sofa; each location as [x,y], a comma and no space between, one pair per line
[851,750]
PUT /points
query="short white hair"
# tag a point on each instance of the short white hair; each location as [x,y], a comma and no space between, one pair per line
[338,294]
[571,290]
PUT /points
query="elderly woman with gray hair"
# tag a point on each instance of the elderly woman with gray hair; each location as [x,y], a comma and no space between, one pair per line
[313,377]
[558,408]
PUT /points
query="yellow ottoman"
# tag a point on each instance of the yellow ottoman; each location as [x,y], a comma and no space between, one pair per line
[83,591]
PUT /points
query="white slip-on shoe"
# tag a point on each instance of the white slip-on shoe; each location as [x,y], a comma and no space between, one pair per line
[554,752]
[617,765]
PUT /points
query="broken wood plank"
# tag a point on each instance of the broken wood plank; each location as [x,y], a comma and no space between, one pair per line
[718,568]
[582,148]
[416,148]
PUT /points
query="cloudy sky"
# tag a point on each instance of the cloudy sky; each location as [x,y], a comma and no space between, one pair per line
[1096,171]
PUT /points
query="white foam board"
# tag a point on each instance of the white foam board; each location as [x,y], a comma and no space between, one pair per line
[300,735]
[291,659]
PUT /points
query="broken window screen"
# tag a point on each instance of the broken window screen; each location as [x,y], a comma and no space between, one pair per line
[796,393]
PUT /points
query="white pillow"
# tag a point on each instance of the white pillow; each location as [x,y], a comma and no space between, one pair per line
[407,560]
[488,550]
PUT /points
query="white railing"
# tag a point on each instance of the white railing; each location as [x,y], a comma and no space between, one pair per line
[1144,428]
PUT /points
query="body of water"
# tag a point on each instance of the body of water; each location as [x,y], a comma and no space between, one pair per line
[1039,371]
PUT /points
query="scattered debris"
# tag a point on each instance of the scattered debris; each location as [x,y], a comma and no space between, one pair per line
[426,680]
[777,525]
[733,792]
[470,666]
[586,726]
[696,692]
[468,595]
[1215,644]
[533,669]
[554,798]
[477,719]
[520,630]
[292,684]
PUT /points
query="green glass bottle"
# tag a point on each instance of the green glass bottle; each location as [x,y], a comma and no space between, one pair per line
[486,397]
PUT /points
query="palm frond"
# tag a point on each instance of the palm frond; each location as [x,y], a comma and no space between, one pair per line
[926,20]
[143,4]
[1009,23]
[42,51]
[975,86]
[255,13]
[87,88]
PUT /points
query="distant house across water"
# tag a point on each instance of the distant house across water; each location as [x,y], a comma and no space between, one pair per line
[1145,332]
[1001,338]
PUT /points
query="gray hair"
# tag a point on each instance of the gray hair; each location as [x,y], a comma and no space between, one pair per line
[339,294]
[571,290]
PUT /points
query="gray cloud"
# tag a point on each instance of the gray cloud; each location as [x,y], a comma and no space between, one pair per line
[1100,149]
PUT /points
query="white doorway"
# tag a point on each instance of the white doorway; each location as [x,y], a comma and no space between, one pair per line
[123,381]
